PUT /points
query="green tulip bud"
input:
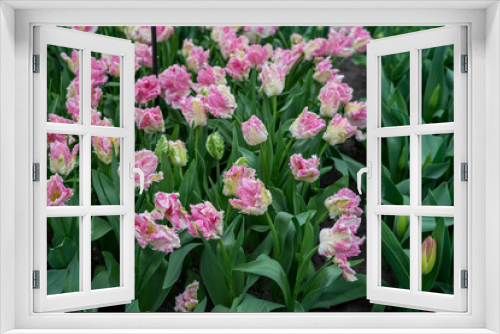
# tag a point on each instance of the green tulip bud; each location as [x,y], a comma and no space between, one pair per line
[161,147]
[401,226]
[429,250]
[241,161]
[177,153]
[215,146]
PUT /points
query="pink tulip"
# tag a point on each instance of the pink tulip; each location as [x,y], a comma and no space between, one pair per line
[150,119]
[103,147]
[146,89]
[339,130]
[98,69]
[175,84]
[238,67]
[57,193]
[350,220]
[259,31]
[341,42]
[285,58]
[220,33]
[91,29]
[273,79]
[347,271]
[56,137]
[232,177]
[361,38]
[345,201]
[211,76]
[304,169]
[73,108]
[113,63]
[207,220]
[307,125]
[188,300]
[355,112]
[323,70]
[158,237]
[254,131]
[142,34]
[258,55]
[195,110]
[53,118]
[195,57]
[147,161]
[333,95]
[296,38]
[171,207]
[317,47]
[62,161]
[143,54]
[74,61]
[231,45]
[221,102]
[254,198]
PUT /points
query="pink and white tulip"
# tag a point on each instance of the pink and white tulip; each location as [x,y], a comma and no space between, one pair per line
[232,177]
[317,47]
[158,237]
[304,169]
[143,54]
[103,148]
[257,55]
[344,202]
[253,199]
[355,112]
[147,161]
[188,300]
[57,193]
[195,57]
[323,70]
[142,34]
[62,160]
[238,67]
[74,61]
[113,63]
[273,79]
[338,130]
[175,84]
[91,29]
[150,120]
[254,131]
[146,89]
[333,95]
[211,76]
[195,110]
[171,207]
[207,220]
[221,102]
[307,125]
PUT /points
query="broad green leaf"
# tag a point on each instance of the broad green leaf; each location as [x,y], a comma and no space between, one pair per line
[201,306]
[396,257]
[341,292]
[56,279]
[252,304]
[175,264]
[60,256]
[99,227]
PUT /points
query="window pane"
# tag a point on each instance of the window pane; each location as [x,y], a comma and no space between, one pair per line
[63,85]
[395,89]
[105,259]
[105,89]
[105,171]
[437,254]
[437,84]
[395,171]
[395,232]
[63,170]
[63,262]
[437,169]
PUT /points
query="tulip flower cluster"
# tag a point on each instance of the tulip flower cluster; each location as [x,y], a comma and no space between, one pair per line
[236,135]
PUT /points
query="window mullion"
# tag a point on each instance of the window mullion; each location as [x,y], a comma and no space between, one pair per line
[415,94]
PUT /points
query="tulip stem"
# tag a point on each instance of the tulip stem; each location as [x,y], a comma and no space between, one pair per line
[320,220]
[237,119]
[228,212]
[323,150]
[275,110]
[217,168]
[266,172]
[302,271]
[294,195]
[181,173]
[275,237]
[286,152]
[228,269]
[197,138]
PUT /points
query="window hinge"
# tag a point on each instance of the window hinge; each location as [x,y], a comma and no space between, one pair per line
[36,279]
[464,171]
[465,279]
[36,63]
[36,172]
[465,64]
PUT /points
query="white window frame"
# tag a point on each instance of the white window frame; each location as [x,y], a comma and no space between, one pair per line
[483,20]
[85,43]
[414,43]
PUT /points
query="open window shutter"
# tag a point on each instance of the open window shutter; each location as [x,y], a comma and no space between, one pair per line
[411,130]
[86,206]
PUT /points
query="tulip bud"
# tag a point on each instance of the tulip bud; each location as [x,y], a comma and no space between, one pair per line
[177,153]
[401,226]
[429,249]
[215,146]
[242,161]
[161,147]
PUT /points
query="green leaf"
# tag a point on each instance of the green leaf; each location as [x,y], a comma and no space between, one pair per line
[99,227]
[73,278]
[435,170]
[133,307]
[60,256]
[279,200]
[113,269]
[341,292]
[270,268]
[252,304]
[148,261]
[167,183]
[175,264]
[56,280]
[396,257]
[318,284]
[359,60]
[201,306]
